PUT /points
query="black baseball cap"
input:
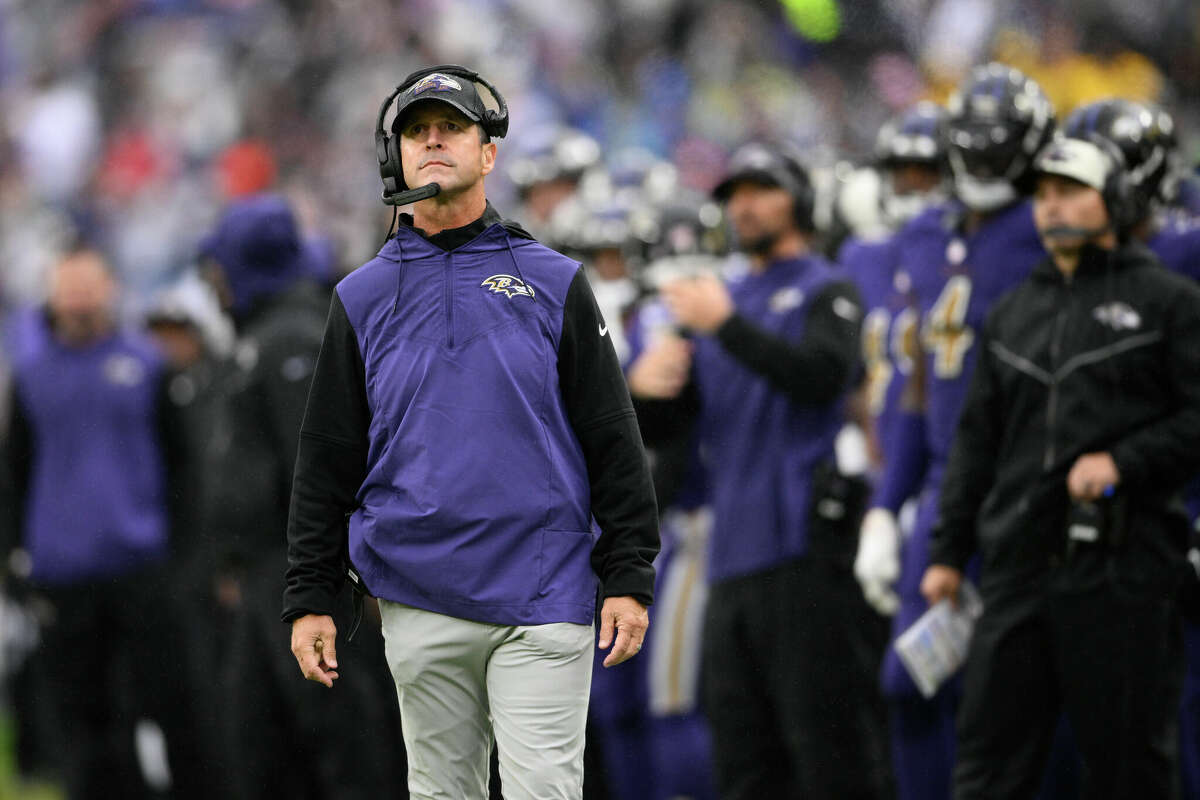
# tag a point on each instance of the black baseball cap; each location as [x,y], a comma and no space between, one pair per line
[445,87]
[757,163]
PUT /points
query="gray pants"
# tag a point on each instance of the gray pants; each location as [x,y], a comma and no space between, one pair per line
[460,682]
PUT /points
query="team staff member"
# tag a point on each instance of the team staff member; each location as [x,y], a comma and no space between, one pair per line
[469,413]
[788,673]
[1146,137]
[93,455]
[345,746]
[1082,423]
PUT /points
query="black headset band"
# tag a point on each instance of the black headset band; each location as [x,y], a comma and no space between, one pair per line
[501,113]
[452,69]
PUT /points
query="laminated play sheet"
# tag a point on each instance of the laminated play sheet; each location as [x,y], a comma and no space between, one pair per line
[935,646]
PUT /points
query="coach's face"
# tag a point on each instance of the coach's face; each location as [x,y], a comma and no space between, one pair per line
[759,213]
[1065,212]
[439,144]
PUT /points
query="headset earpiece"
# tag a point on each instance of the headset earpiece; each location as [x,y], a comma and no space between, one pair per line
[495,121]
[387,153]
[803,195]
[1118,187]
[394,165]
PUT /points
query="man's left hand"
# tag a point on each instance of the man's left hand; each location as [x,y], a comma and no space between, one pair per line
[1091,476]
[701,303]
[629,620]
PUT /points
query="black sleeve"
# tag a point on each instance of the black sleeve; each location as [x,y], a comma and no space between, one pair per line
[971,468]
[1168,448]
[285,368]
[821,366]
[601,413]
[662,422]
[18,458]
[172,440]
[331,464]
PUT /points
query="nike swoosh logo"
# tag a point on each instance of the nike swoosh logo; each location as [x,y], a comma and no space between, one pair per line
[603,329]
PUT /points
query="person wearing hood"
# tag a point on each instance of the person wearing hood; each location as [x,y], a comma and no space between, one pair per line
[259,266]
[469,418]
[1079,432]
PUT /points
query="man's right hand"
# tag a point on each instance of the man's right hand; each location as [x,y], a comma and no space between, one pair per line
[877,565]
[313,638]
[661,371]
[941,582]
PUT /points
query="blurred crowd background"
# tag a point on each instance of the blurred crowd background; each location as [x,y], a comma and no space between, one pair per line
[131,125]
[134,122]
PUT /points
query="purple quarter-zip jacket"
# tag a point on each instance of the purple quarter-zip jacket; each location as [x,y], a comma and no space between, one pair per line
[765,433]
[469,414]
[87,450]
[766,401]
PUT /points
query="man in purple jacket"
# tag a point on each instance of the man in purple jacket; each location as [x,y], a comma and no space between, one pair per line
[771,354]
[91,459]
[469,417]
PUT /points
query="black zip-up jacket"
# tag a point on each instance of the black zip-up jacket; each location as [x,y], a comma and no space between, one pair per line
[253,446]
[1106,361]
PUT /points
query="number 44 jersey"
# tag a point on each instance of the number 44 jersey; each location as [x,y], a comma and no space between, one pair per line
[956,276]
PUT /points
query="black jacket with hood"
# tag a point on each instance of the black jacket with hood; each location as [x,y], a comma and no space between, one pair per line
[280,317]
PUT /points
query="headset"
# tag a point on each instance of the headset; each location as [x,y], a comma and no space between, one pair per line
[494,122]
[1118,193]
[1119,187]
[783,168]
[803,194]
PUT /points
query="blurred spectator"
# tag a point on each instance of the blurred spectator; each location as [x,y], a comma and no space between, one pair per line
[58,138]
[546,171]
[245,168]
[1071,77]
[264,93]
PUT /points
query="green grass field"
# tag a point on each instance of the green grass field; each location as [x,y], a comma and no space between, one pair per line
[10,787]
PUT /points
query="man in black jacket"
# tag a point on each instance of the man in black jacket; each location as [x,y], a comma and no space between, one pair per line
[1081,426]
[284,737]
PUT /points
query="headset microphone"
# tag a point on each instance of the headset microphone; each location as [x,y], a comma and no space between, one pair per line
[411,195]
[1058,231]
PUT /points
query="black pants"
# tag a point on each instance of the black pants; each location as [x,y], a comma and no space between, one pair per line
[108,659]
[203,771]
[294,738]
[791,686]
[1111,658]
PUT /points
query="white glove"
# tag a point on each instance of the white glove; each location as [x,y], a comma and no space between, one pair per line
[877,565]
